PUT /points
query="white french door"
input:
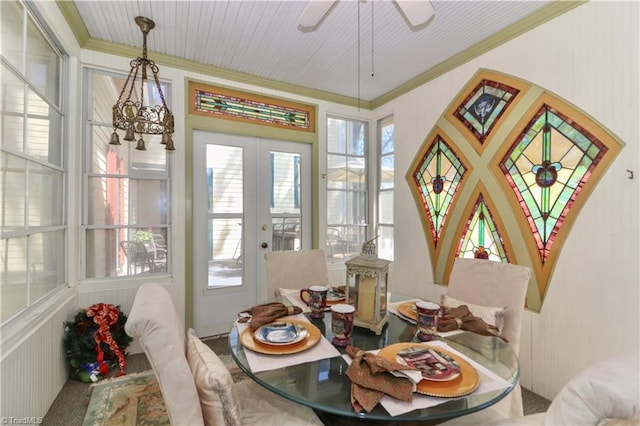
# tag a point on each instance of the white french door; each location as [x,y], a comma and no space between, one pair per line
[251,196]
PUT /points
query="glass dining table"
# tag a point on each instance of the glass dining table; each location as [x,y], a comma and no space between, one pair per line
[323,386]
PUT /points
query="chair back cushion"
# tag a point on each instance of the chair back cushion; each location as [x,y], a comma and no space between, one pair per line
[295,269]
[155,323]
[220,407]
[488,283]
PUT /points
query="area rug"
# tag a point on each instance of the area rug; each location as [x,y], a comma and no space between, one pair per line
[135,399]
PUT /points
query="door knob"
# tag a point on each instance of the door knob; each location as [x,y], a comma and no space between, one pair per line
[264,245]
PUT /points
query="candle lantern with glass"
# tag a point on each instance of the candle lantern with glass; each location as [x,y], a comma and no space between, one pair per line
[366,288]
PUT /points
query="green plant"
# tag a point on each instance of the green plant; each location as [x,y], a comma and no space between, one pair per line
[143,236]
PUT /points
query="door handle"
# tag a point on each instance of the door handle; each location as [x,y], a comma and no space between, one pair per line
[264,245]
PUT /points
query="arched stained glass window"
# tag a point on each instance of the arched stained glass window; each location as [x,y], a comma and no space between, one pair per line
[547,166]
[503,175]
[481,238]
[437,176]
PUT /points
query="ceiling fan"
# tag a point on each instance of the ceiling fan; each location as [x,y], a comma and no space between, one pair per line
[417,12]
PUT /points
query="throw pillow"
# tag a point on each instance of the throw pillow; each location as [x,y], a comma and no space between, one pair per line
[214,383]
[491,315]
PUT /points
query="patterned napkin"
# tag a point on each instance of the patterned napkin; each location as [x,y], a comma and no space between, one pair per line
[370,380]
[462,318]
[266,313]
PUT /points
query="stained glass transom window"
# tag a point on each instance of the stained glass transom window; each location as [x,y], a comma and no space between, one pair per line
[251,110]
[481,237]
[438,176]
[482,108]
[547,167]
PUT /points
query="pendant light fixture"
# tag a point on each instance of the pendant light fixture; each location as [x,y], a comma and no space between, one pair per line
[130,113]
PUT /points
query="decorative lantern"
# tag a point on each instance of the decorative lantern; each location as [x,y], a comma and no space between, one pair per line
[366,288]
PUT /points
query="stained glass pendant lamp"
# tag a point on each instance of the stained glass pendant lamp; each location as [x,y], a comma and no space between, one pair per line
[131,114]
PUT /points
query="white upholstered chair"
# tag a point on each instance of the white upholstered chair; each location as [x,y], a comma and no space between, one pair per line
[605,394]
[196,386]
[295,269]
[495,284]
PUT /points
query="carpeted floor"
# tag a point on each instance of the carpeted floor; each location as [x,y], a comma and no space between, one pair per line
[70,406]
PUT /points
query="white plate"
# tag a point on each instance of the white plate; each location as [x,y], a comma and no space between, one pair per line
[280,333]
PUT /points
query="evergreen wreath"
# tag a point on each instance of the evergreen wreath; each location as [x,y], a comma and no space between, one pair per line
[95,342]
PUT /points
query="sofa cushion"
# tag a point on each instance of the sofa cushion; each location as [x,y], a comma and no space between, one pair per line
[154,321]
[214,383]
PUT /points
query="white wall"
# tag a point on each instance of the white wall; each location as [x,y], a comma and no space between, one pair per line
[588,56]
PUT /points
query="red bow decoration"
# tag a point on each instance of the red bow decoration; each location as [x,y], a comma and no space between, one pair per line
[105,315]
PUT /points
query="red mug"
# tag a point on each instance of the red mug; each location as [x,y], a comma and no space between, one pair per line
[428,313]
[316,299]
[342,324]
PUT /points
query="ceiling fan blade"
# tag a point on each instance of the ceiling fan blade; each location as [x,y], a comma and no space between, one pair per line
[315,11]
[416,12]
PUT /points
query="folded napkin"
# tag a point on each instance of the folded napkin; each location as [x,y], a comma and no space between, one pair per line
[268,312]
[370,380]
[462,318]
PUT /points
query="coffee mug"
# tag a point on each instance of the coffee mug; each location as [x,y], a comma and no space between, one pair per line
[316,299]
[428,313]
[342,324]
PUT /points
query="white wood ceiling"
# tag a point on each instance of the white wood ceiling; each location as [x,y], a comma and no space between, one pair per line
[262,38]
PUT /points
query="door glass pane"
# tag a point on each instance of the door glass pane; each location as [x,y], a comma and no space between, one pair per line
[224,168]
[285,201]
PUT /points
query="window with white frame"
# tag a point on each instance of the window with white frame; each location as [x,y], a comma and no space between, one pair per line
[385,135]
[32,165]
[126,205]
[347,188]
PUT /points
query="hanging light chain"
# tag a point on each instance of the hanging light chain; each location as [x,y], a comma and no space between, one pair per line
[372,37]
